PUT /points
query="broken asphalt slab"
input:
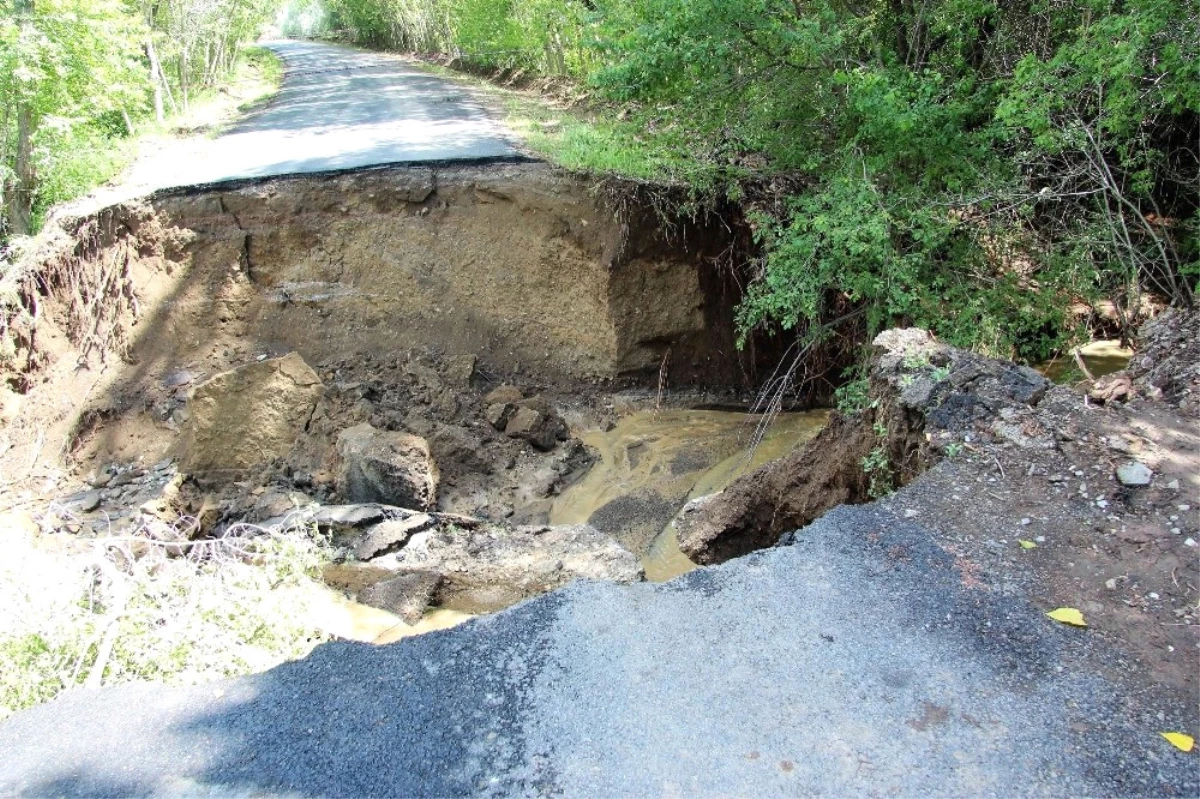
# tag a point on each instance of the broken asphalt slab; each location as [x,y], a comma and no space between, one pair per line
[338,109]
[856,661]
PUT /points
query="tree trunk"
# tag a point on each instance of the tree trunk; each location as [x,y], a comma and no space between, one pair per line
[20,193]
[183,77]
[157,79]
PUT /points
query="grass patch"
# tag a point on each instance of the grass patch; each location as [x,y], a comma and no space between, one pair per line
[593,138]
[266,62]
[101,615]
[591,143]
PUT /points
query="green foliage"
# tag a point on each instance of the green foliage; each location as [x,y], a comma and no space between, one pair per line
[546,36]
[76,77]
[74,161]
[878,468]
[853,396]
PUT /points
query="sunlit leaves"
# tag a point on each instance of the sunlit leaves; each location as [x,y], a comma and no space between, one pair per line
[1070,616]
[1181,741]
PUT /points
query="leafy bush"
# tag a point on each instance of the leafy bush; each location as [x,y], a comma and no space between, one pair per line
[971,167]
[73,161]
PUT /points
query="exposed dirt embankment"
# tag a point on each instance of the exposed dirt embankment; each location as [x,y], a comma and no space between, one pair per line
[519,272]
[527,269]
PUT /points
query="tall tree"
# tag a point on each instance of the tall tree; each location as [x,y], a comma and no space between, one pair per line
[21,183]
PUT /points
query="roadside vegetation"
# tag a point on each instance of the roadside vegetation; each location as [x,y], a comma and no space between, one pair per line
[985,170]
[82,81]
[113,610]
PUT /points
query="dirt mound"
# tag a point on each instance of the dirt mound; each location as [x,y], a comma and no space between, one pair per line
[1167,363]
[1030,488]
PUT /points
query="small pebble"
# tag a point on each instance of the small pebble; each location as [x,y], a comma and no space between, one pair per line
[1041,539]
[1111,584]
[262,357]
[1026,522]
[1189,542]
[1152,595]
[1183,507]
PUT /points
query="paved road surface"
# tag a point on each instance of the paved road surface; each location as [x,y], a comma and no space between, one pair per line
[832,667]
[339,108]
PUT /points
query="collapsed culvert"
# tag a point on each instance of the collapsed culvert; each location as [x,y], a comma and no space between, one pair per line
[433,358]
[455,374]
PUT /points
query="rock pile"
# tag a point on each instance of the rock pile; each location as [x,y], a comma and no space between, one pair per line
[403,561]
[533,420]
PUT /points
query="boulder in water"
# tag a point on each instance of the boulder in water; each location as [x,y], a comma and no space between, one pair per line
[386,467]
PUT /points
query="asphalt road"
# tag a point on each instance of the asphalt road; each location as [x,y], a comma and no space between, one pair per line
[339,108]
[856,662]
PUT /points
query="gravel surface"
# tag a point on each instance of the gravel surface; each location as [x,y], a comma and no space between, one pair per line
[338,109]
[857,661]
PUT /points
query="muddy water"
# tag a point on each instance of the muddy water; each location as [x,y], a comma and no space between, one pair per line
[652,463]
[1102,358]
[332,613]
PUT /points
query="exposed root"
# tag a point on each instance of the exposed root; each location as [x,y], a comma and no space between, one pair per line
[78,272]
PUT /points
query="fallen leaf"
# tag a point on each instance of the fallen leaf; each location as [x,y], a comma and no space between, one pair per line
[1179,740]
[1026,544]
[1068,616]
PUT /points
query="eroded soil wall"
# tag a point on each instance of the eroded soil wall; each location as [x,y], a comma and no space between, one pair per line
[528,270]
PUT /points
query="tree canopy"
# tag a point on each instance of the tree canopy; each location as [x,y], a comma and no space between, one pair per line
[76,73]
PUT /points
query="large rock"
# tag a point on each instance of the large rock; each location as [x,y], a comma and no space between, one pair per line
[391,534]
[488,568]
[387,467]
[534,420]
[408,595]
[755,510]
[923,395]
[457,450]
[250,415]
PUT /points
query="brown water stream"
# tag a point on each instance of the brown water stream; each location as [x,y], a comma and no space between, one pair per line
[1102,358]
[650,465]
[653,462]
